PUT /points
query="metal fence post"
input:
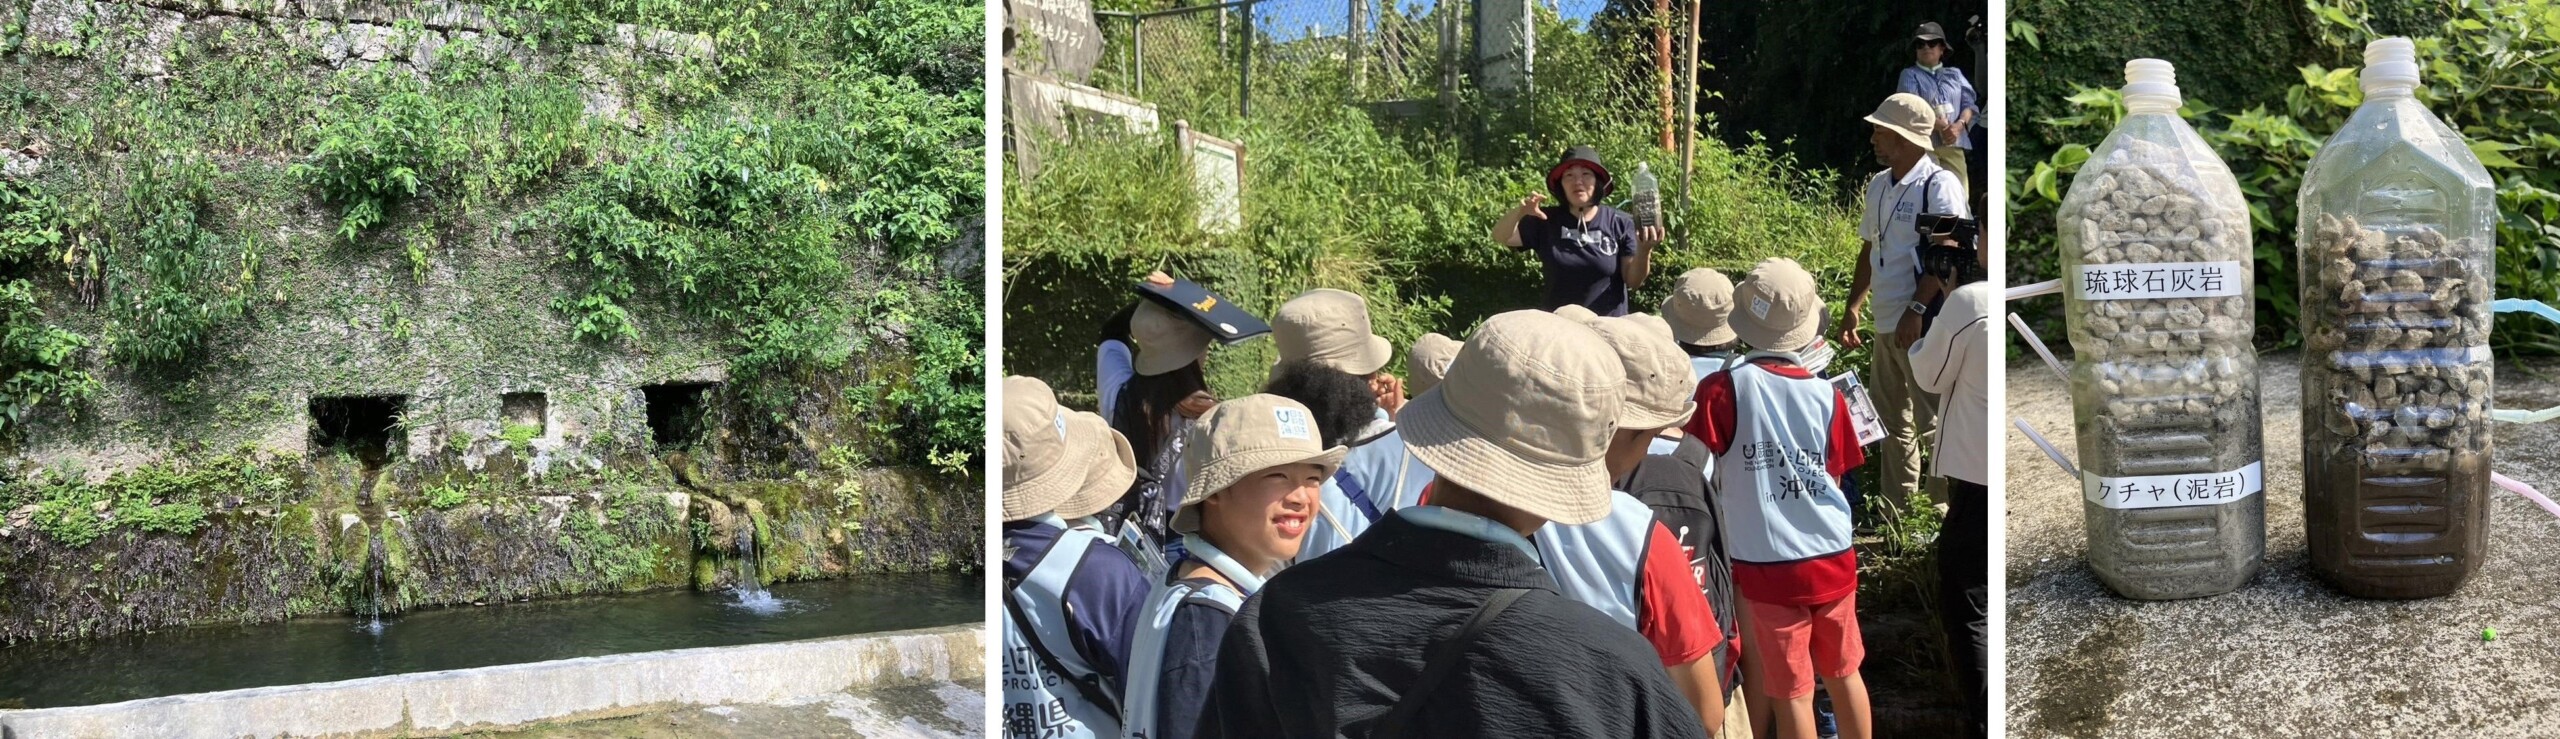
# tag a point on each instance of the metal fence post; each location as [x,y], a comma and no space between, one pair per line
[1244,73]
[1138,51]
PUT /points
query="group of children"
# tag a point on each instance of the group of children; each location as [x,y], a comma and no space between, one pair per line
[1576,525]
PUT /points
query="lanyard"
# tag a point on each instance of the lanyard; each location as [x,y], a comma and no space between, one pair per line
[1208,554]
[1900,190]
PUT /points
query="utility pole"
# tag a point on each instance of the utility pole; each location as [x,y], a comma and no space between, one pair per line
[1662,64]
[1689,106]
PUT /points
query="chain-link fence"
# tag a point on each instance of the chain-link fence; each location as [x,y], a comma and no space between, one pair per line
[1210,62]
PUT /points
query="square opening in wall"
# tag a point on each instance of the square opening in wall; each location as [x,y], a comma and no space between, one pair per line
[365,426]
[525,414]
[678,412]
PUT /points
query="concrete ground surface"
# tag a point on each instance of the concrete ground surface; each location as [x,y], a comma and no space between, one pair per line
[918,711]
[2284,655]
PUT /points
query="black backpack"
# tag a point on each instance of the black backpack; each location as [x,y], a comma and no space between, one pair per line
[1675,486]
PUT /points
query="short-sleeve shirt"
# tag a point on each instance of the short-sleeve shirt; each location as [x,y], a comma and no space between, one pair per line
[1580,260]
[1671,612]
[1946,90]
[1893,207]
[1113,365]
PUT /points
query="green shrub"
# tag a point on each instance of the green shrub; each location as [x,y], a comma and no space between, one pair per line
[39,363]
[171,276]
[374,151]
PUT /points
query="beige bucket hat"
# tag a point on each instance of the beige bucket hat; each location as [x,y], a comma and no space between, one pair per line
[1045,461]
[1429,361]
[1909,116]
[1576,311]
[1331,328]
[1698,307]
[1113,468]
[1776,308]
[1524,416]
[1165,341]
[1244,436]
[1659,391]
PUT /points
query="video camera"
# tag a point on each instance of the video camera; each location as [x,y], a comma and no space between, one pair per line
[1958,264]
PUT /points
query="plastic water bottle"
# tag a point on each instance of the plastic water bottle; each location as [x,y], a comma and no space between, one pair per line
[1648,201]
[2398,241]
[2154,240]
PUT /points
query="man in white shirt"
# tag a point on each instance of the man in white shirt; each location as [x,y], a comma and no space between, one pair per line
[1889,269]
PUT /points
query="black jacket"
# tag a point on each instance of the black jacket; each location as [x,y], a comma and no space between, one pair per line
[1327,647]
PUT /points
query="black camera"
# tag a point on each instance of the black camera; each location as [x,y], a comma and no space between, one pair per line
[1957,264]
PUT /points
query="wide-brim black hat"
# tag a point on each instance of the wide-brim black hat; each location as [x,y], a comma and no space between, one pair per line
[1224,320]
[1580,156]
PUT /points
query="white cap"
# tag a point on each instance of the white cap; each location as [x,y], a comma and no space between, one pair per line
[2151,86]
[2389,63]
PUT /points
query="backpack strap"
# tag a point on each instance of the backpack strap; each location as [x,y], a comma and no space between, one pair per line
[1444,659]
[1359,495]
[1089,685]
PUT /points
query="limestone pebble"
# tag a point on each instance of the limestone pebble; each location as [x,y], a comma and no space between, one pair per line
[2406,330]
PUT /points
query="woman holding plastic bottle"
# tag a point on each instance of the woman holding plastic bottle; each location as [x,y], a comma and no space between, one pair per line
[1591,254]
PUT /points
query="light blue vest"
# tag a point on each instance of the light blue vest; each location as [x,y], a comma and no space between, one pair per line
[1146,655]
[1053,706]
[1781,504]
[1599,563]
[1391,477]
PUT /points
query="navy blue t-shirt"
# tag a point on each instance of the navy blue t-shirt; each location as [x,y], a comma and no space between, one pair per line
[1581,259]
[1190,665]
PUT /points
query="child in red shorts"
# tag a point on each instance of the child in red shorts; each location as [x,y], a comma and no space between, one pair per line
[1782,439]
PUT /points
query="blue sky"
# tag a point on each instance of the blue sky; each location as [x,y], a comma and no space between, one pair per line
[1290,20]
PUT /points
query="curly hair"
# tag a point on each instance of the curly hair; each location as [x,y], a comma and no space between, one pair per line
[1340,400]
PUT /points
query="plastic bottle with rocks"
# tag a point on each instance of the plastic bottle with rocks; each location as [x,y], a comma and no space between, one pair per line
[1648,197]
[2397,239]
[2156,268]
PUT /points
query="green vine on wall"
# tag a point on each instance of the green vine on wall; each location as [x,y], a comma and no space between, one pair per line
[171,276]
[38,362]
[372,154]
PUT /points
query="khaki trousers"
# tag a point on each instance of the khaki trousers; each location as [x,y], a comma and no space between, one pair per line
[1910,418]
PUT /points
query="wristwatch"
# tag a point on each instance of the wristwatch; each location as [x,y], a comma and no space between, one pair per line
[1920,309]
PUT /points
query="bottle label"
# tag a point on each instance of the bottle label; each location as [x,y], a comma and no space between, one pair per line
[2167,491]
[2160,281]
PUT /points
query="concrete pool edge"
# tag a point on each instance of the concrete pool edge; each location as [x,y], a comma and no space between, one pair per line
[483,698]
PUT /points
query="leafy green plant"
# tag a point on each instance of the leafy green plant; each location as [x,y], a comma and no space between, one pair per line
[447,495]
[170,498]
[520,436]
[172,278]
[39,363]
[374,151]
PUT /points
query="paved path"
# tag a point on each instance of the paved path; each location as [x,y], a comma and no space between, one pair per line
[2284,656]
[926,711]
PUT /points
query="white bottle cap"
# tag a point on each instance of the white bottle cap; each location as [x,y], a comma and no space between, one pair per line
[2389,63]
[2151,86]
